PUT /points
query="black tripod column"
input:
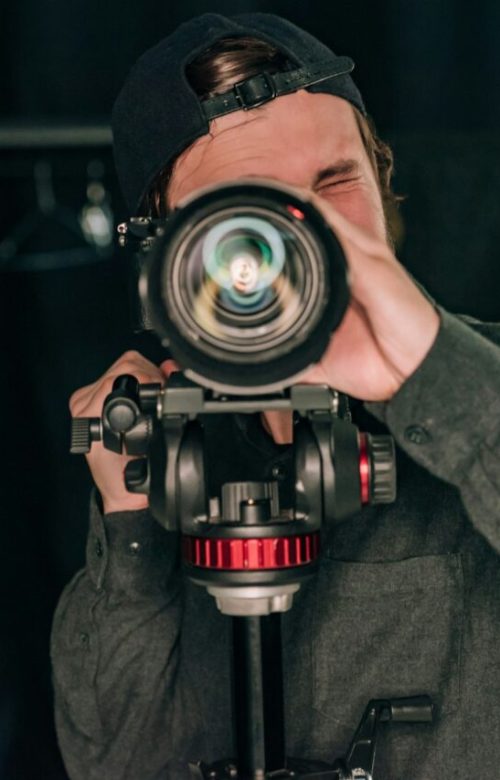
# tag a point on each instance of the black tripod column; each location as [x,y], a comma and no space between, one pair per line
[258,695]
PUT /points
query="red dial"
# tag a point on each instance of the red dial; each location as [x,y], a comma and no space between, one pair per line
[276,552]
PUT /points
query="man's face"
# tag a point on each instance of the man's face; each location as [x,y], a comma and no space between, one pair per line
[305,140]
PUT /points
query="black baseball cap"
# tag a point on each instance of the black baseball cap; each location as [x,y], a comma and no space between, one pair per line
[158,114]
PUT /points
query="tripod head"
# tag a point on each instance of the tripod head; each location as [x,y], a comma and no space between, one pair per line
[247,550]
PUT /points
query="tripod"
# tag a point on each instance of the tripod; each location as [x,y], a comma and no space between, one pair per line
[259,718]
[248,553]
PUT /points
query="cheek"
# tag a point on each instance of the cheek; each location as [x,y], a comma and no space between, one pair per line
[363,208]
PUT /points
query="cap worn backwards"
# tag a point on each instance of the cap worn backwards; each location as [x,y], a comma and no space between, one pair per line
[158,114]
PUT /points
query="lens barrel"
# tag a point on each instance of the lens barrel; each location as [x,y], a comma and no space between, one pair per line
[245,286]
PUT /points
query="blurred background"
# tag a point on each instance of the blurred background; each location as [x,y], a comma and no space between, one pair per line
[430,74]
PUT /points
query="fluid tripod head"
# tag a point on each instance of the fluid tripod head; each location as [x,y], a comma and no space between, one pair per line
[248,551]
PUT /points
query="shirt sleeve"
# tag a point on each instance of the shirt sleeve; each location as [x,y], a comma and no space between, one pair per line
[446,416]
[120,696]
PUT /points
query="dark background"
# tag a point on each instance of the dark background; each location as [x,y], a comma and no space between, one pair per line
[430,74]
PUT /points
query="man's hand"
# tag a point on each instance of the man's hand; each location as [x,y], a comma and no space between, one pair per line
[108,467]
[389,326]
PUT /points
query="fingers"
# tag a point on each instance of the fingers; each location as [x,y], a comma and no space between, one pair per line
[107,467]
[169,367]
[88,400]
[377,280]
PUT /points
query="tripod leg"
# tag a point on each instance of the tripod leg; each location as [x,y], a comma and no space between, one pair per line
[258,695]
[274,715]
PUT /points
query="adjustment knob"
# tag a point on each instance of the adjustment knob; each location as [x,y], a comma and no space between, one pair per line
[122,406]
[84,430]
[383,469]
[121,414]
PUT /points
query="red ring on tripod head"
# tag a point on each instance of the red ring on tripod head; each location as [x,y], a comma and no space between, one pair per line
[230,554]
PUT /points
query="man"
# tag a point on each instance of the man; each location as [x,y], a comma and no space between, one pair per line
[406,598]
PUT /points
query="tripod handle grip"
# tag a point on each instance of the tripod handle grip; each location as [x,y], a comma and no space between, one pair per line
[415,709]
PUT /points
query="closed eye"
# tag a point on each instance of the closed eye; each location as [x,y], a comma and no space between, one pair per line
[343,180]
[338,184]
[339,171]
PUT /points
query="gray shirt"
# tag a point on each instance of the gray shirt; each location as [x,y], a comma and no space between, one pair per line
[406,602]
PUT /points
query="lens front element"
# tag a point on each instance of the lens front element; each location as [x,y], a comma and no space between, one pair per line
[241,284]
[243,256]
[246,287]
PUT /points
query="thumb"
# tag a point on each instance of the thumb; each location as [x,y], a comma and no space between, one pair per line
[169,367]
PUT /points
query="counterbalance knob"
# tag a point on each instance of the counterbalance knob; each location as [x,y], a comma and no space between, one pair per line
[383,469]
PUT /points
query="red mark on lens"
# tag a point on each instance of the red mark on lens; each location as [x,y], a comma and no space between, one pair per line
[295,212]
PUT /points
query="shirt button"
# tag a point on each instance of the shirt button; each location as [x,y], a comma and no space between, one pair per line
[417,434]
[84,638]
[98,548]
[278,472]
[134,548]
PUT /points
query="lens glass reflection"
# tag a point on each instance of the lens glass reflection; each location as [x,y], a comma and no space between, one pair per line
[243,257]
[245,282]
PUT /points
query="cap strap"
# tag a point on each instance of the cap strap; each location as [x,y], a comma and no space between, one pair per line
[256,90]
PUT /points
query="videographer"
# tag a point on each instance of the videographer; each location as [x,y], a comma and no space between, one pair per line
[406,600]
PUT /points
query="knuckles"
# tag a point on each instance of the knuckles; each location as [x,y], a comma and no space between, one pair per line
[132,356]
[75,405]
[83,402]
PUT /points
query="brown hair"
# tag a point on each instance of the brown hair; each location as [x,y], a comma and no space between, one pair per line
[234,59]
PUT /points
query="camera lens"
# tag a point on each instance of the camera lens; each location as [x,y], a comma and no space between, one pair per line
[246,285]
